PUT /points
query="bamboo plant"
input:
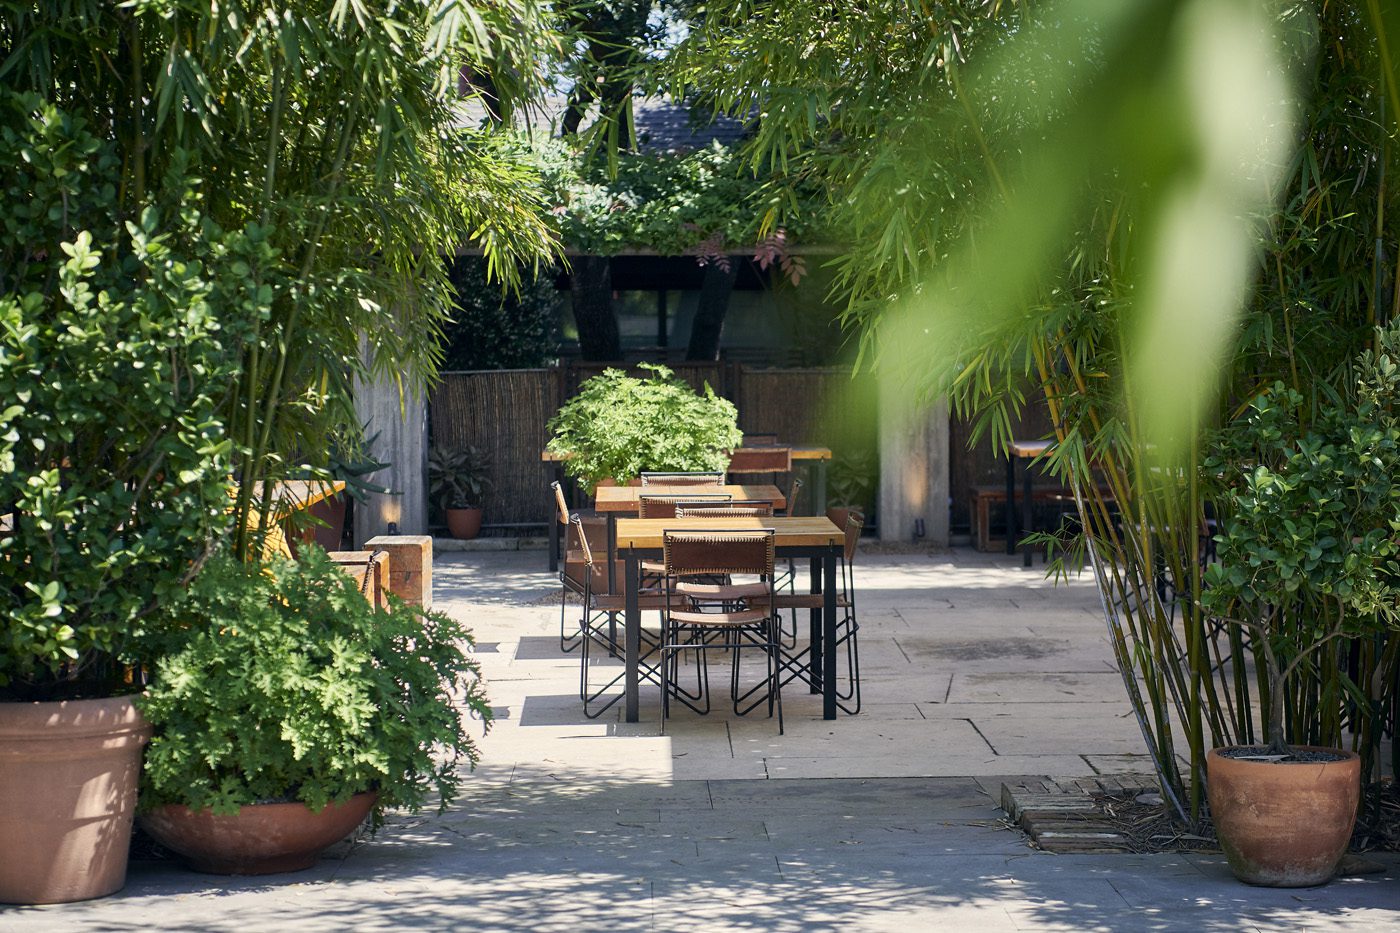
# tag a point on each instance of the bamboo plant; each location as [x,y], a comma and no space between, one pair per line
[330,135]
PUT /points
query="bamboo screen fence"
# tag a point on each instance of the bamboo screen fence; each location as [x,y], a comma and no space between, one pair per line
[503,413]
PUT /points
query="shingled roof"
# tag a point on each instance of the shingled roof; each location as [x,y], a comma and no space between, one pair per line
[665,126]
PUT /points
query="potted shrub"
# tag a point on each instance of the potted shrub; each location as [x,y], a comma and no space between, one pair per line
[1307,559]
[457,480]
[286,708]
[618,427]
[851,485]
[114,475]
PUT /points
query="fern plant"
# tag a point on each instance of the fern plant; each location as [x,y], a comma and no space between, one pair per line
[283,683]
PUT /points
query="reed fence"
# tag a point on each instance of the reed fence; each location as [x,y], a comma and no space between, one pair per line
[504,412]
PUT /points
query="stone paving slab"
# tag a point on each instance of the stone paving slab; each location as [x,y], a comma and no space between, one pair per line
[724,855]
[977,673]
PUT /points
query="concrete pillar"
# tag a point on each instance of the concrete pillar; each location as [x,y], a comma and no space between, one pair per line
[397,429]
[913,466]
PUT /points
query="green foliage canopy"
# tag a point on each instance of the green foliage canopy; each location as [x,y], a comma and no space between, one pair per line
[706,201]
[330,132]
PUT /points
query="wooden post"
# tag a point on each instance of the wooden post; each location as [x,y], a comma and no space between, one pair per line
[410,566]
[913,467]
[397,428]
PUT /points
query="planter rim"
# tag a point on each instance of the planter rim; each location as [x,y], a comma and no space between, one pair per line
[108,716]
[1327,749]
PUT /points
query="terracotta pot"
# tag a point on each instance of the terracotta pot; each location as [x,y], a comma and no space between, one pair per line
[261,839]
[1284,824]
[464,523]
[68,776]
[331,511]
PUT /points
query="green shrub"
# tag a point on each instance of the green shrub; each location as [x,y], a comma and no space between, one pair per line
[495,327]
[1308,550]
[118,342]
[285,683]
[617,427]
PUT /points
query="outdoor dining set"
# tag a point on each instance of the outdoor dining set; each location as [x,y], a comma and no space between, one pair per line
[719,564]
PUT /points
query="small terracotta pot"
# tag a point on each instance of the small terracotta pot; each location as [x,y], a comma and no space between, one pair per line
[261,839]
[1284,824]
[464,523]
[68,775]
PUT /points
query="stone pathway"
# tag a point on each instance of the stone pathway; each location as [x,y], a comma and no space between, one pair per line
[977,673]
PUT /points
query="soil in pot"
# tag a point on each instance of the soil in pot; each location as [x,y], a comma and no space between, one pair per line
[1283,822]
[68,776]
[261,839]
[464,523]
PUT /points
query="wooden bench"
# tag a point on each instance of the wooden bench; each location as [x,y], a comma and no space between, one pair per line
[982,498]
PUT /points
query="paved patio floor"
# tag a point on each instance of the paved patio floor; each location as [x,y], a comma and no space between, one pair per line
[975,671]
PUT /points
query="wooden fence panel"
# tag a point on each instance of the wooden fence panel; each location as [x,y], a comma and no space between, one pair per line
[503,413]
[821,407]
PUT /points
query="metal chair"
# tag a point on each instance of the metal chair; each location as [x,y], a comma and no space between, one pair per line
[572,576]
[683,479]
[598,629]
[728,613]
[665,507]
[847,627]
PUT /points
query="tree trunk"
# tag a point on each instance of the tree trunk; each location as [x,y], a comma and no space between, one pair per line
[708,326]
[598,337]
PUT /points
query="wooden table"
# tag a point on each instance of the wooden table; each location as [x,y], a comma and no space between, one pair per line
[626,500]
[816,458]
[814,538]
[1028,451]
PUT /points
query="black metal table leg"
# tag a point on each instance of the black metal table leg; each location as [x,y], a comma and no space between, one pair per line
[814,632]
[632,626]
[829,634]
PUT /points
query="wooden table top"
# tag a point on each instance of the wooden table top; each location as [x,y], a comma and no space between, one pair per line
[791,532]
[293,495]
[1028,448]
[624,498]
[798,453]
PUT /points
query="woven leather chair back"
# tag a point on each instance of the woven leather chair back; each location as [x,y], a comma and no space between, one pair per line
[687,553]
[738,509]
[665,506]
[761,460]
[682,479]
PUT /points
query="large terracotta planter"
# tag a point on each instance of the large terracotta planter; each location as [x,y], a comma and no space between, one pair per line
[464,523]
[1284,824]
[68,777]
[261,839]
